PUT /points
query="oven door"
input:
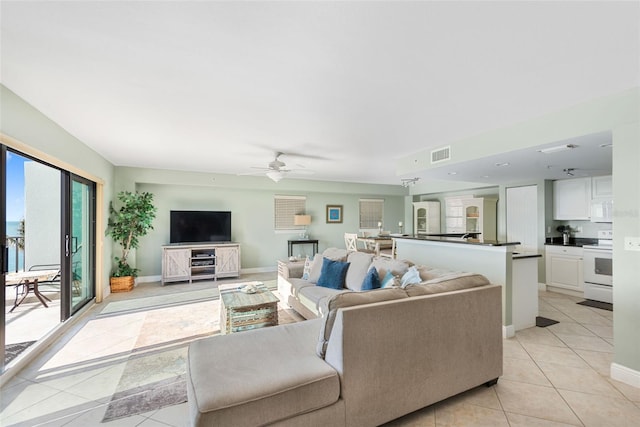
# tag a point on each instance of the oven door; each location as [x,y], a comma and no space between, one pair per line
[598,266]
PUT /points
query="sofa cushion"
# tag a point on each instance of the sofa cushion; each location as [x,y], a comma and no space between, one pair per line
[359,263]
[333,274]
[334,254]
[329,308]
[371,280]
[448,282]
[297,284]
[232,380]
[312,296]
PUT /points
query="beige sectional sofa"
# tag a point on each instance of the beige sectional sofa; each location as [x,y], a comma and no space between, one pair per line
[368,358]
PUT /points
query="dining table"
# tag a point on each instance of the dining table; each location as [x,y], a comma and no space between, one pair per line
[376,243]
[29,281]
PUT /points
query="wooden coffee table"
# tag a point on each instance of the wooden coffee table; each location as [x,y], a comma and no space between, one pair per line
[240,311]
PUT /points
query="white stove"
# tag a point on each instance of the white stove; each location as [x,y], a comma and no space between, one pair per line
[598,268]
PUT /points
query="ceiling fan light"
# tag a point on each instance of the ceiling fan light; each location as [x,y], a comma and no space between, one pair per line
[275,176]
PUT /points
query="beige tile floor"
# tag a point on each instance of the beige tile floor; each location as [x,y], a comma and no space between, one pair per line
[554,376]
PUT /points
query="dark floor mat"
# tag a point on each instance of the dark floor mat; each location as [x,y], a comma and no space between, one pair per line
[12,351]
[543,322]
[597,304]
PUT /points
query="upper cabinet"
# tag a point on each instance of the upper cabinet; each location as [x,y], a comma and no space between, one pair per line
[426,217]
[602,187]
[573,199]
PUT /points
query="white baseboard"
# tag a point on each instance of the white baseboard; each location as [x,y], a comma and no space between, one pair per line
[147,279]
[258,270]
[508,331]
[542,286]
[625,375]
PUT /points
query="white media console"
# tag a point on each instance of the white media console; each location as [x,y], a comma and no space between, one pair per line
[196,261]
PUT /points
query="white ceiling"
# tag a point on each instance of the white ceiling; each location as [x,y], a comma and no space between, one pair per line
[347,86]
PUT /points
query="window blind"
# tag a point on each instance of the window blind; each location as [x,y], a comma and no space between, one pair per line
[285,209]
[371,211]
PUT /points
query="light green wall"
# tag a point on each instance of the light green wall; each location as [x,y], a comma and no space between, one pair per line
[251,202]
[626,222]
[24,123]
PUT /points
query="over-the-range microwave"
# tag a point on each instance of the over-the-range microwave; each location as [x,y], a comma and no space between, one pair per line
[602,210]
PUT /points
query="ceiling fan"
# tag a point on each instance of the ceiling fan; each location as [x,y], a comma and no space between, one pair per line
[277,169]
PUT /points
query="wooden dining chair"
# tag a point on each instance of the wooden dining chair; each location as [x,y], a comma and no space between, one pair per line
[390,252]
[351,241]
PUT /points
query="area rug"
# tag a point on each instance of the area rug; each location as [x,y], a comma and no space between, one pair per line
[11,351]
[543,322]
[597,304]
[155,374]
[151,397]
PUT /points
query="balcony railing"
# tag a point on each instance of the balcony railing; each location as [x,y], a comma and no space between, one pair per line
[15,245]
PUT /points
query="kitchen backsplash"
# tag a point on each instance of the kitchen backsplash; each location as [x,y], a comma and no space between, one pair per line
[589,229]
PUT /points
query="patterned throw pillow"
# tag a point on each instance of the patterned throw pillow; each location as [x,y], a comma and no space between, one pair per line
[308,262]
[389,280]
[411,276]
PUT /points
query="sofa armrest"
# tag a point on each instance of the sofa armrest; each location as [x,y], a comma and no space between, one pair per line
[290,269]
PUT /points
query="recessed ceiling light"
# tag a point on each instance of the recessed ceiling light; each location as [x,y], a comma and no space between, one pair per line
[503,164]
[452,173]
[557,148]
[485,176]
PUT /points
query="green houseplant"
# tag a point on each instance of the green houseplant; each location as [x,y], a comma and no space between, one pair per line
[132,220]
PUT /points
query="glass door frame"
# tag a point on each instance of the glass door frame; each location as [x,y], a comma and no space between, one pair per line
[68,308]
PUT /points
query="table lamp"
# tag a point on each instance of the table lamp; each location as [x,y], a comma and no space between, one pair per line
[302,220]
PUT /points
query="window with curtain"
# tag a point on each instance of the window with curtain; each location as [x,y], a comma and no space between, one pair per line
[286,207]
[371,212]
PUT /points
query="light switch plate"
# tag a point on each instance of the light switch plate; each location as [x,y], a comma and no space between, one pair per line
[632,243]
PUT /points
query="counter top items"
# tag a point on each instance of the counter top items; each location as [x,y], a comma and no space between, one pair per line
[574,241]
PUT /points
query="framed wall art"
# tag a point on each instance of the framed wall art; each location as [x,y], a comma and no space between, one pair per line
[334,214]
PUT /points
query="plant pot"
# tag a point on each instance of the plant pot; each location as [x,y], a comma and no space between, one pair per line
[121,284]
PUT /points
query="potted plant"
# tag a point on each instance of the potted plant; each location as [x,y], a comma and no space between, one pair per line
[127,224]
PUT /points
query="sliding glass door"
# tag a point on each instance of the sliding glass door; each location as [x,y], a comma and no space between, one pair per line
[48,249]
[81,242]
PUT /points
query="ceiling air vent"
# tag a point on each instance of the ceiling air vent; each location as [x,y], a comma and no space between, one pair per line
[441,154]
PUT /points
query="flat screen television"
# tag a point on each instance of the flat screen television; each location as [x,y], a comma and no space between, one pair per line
[200,226]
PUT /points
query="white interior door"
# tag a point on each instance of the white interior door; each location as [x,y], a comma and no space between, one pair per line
[522,217]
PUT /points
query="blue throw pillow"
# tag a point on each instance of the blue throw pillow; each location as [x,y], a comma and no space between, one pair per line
[388,281]
[332,274]
[411,276]
[371,280]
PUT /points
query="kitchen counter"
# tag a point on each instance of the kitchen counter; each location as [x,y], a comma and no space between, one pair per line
[492,259]
[574,241]
[455,238]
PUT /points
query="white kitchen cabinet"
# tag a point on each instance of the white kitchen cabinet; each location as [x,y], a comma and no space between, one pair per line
[426,217]
[564,267]
[480,216]
[602,187]
[572,199]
